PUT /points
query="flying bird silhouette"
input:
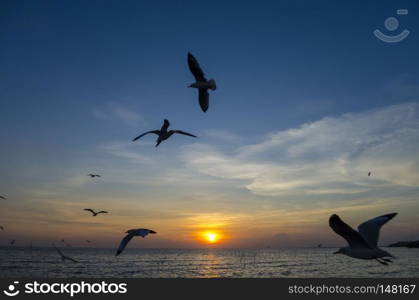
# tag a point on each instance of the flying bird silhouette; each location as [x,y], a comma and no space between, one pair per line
[131,233]
[94,214]
[202,84]
[362,243]
[4,198]
[12,242]
[64,257]
[369,173]
[1,227]
[93,175]
[163,134]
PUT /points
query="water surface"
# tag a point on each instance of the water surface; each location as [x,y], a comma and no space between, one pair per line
[200,263]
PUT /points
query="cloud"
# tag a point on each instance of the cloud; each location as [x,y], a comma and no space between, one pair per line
[126,150]
[115,111]
[330,156]
[222,135]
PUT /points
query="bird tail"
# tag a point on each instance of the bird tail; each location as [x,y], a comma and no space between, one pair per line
[213,85]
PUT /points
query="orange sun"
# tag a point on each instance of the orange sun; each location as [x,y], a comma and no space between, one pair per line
[211,237]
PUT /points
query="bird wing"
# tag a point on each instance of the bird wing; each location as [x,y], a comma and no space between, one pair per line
[1,197]
[184,133]
[102,212]
[353,237]
[69,258]
[144,232]
[124,243]
[195,68]
[59,252]
[141,135]
[370,230]
[89,209]
[204,99]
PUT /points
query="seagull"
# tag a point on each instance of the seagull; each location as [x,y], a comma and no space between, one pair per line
[93,175]
[362,243]
[163,133]
[369,173]
[131,233]
[12,242]
[4,198]
[63,257]
[87,241]
[202,84]
[95,213]
[1,227]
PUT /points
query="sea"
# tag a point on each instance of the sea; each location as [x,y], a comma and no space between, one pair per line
[19,262]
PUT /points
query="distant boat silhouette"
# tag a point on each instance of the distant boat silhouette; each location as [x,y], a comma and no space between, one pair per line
[163,134]
[202,84]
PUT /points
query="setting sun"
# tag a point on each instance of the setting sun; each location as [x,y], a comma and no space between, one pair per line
[211,237]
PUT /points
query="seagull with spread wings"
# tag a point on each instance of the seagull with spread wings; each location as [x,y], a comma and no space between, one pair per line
[94,214]
[202,84]
[64,257]
[131,233]
[163,134]
[362,243]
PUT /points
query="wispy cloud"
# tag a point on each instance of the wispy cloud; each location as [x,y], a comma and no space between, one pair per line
[126,150]
[118,112]
[329,156]
[222,135]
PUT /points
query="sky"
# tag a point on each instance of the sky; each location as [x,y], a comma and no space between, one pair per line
[308,101]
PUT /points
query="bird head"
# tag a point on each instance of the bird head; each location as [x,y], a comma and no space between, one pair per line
[340,251]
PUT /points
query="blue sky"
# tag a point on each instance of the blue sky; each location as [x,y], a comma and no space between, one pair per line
[302,87]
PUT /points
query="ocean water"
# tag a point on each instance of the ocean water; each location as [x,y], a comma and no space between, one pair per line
[200,263]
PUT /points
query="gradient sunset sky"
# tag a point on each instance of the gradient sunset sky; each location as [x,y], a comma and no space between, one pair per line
[308,101]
